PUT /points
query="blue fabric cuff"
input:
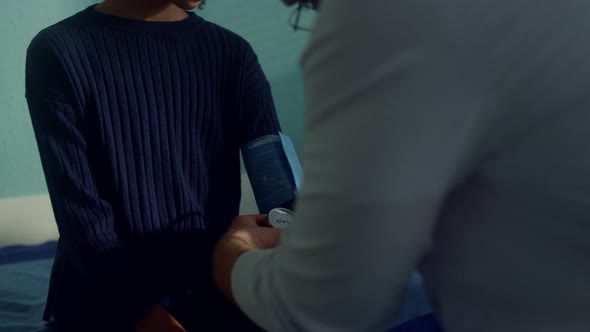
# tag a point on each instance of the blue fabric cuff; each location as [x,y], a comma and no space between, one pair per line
[273,169]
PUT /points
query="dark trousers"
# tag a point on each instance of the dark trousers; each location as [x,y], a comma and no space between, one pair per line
[426,323]
[205,313]
[211,314]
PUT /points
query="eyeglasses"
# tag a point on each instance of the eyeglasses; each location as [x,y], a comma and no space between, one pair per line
[295,17]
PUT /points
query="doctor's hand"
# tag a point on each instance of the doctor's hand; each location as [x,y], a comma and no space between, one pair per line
[159,320]
[244,234]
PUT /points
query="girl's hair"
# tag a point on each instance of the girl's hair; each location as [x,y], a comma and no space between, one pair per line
[202,4]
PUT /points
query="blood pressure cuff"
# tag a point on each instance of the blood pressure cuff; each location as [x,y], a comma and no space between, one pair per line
[273,169]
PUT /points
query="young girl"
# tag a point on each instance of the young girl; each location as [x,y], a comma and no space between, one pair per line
[139,108]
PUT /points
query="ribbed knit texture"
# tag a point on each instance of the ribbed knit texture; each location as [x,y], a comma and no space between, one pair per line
[139,126]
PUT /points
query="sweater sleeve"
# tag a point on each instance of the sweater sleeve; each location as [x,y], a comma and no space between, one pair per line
[258,113]
[85,221]
[391,126]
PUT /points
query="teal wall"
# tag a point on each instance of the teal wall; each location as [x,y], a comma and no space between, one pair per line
[263,23]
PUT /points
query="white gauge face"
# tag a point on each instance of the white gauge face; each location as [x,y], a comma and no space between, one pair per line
[280,218]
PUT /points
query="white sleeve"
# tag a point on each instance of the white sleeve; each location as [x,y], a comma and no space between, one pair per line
[391,125]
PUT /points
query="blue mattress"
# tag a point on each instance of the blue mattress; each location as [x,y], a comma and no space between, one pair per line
[24,278]
[17,254]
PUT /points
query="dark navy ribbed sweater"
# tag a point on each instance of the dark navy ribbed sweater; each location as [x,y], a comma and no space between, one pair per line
[139,126]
